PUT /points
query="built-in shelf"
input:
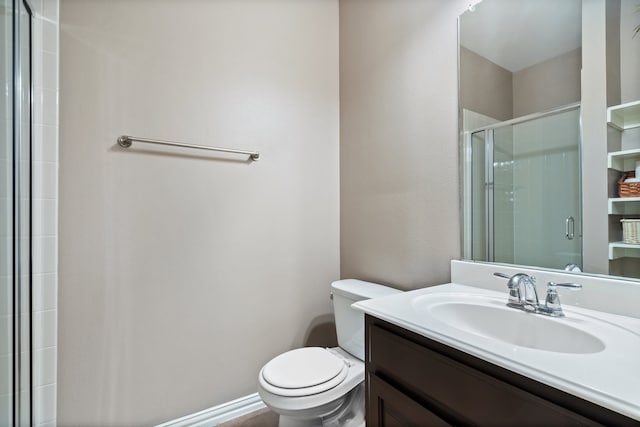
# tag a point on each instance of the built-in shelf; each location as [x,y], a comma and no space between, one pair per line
[624,116]
[624,206]
[624,160]
[623,250]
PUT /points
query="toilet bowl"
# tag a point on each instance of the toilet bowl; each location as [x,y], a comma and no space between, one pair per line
[314,386]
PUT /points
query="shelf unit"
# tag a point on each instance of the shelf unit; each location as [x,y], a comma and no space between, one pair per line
[623,117]
[623,160]
[623,250]
[624,206]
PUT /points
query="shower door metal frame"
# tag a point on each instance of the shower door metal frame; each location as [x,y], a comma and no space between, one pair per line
[22,274]
[489,196]
[488,190]
[467,194]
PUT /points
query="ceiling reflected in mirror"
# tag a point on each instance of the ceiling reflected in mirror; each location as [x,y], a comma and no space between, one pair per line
[516,34]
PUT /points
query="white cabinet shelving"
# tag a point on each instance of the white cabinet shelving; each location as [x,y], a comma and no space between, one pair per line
[624,206]
[623,117]
[623,160]
[623,250]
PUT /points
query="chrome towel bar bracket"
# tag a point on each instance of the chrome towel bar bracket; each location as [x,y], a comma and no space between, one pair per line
[126,141]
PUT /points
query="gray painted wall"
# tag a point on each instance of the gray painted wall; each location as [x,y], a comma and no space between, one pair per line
[485,87]
[398,140]
[547,85]
[594,137]
[630,51]
[491,90]
[182,274]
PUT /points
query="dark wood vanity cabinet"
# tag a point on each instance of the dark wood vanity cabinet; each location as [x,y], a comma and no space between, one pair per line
[414,381]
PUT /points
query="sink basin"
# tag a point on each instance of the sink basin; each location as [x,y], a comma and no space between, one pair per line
[517,327]
[493,319]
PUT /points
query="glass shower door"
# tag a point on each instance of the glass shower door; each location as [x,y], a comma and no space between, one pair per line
[526,195]
[546,201]
[15,215]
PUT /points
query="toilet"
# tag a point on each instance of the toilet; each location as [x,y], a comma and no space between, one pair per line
[315,386]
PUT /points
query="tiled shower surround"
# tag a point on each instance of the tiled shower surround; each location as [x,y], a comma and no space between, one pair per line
[44,213]
[45,207]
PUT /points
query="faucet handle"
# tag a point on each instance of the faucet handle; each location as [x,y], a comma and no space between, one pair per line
[552,304]
[572,286]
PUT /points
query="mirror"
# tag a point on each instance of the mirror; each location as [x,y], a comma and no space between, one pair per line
[526,148]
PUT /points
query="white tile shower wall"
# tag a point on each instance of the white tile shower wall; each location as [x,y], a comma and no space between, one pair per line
[45,208]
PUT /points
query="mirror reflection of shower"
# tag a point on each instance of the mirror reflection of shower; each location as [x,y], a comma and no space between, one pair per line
[522,176]
[520,91]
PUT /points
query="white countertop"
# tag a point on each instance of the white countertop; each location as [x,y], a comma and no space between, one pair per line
[609,378]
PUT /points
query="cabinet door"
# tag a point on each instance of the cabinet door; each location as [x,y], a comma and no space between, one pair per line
[389,407]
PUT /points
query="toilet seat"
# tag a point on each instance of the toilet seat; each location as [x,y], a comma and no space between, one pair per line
[303,372]
[290,406]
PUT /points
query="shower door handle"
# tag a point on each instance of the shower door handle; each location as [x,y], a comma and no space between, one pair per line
[569,227]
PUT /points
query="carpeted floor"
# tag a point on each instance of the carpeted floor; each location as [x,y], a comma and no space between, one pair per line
[262,418]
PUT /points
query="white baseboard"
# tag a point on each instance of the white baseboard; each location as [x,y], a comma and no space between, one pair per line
[219,414]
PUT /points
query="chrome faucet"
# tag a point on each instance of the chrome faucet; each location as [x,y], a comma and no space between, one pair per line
[523,294]
[522,291]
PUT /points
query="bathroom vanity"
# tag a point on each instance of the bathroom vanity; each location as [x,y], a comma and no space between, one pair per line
[413,380]
[456,354]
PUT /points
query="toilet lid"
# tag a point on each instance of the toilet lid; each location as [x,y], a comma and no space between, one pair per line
[304,368]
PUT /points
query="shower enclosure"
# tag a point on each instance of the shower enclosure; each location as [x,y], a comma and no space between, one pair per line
[522,191]
[15,221]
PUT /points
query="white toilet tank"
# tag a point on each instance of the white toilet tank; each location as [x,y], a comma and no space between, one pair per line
[350,322]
